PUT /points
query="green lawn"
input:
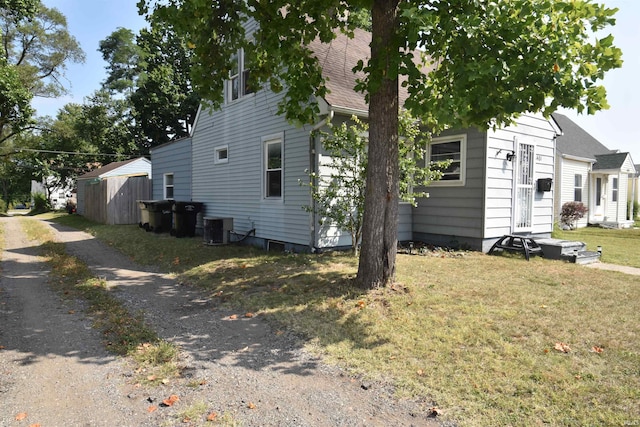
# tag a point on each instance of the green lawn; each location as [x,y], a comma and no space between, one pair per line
[618,246]
[479,336]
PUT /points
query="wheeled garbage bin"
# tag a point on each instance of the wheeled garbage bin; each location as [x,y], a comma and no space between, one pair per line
[160,215]
[185,215]
[144,213]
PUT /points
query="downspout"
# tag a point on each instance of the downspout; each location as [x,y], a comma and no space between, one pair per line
[313,165]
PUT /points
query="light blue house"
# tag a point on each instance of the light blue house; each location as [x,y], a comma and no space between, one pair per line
[171,167]
[246,164]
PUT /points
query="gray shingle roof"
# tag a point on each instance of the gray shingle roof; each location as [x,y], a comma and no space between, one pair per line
[575,141]
[610,161]
[337,59]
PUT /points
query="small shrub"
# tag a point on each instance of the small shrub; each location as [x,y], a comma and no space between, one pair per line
[572,212]
[40,203]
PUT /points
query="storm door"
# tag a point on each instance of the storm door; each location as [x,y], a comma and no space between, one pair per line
[524,188]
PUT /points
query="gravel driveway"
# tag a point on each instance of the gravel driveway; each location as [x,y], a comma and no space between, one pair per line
[54,368]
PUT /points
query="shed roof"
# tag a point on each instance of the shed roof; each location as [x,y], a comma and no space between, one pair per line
[575,141]
[97,173]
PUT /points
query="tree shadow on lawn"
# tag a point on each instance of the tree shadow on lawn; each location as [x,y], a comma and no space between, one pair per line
[211,320]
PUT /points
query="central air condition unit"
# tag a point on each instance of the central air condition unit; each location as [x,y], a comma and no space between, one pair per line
[217,230]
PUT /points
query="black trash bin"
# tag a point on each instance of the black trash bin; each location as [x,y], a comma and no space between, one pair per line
[185,215]
[160,215]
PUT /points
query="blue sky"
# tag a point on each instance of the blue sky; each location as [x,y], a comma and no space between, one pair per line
[93,20]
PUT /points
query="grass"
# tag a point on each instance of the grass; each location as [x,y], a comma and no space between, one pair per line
[475,334]
[124,333]
[616,244]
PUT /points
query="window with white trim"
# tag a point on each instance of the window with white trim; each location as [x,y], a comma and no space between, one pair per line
[221,154]
[168,186]
[239,83]
[577,188]
[273,167]
[452,148]
[614,190]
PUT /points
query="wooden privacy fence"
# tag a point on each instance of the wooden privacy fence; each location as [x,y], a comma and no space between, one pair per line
[113,200]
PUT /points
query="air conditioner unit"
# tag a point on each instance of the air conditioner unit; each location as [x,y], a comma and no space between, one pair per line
[217,230]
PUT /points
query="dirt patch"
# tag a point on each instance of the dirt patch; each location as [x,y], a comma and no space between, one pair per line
[55,368]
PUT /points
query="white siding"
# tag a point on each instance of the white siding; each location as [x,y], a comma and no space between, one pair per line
[566,185]
[529,129]
[617,211]
[234,189]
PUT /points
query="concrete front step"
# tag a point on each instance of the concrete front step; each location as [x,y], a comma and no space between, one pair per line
[583,257]
[556,248]
[568,250]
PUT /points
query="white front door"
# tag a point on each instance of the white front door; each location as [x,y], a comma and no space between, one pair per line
[524,188]
[598,198]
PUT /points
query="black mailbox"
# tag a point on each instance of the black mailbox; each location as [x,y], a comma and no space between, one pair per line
[544,184]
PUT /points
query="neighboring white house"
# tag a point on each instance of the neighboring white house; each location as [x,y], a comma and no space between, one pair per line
[58,194]
[246,164]
[590,173]
[633,193]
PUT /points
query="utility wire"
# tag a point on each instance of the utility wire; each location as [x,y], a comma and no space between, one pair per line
[66,152]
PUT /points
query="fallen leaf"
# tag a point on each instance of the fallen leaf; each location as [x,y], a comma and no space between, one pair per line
[152,378]
[1,347]
[21,416]
[562,347]
[152,408]
[72,312]
[233,317]
[171,400]
[361,304]
[251,405]
[35,425]
[248,315]
[176,261]
[597,349]
[420,373]
[434,412]
[212,416]
[186,420]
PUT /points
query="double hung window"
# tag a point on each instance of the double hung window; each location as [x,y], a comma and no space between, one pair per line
[168,186]
[577,188]
[273,166]
[452,149]
[239,83]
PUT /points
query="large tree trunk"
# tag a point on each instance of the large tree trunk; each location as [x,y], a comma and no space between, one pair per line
[380,225]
